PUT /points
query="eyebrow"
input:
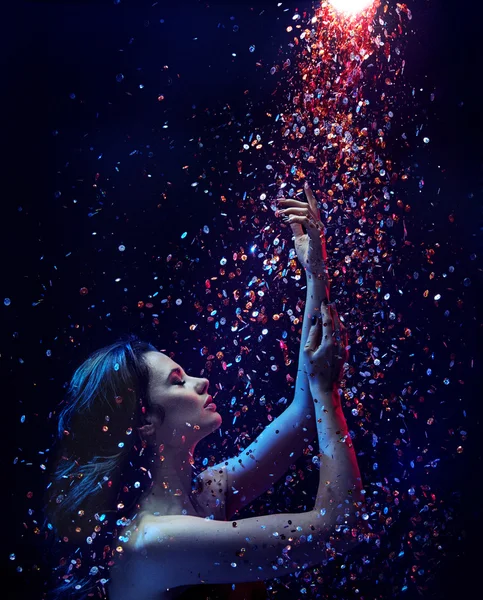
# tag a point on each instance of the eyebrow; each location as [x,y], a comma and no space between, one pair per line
[175,370]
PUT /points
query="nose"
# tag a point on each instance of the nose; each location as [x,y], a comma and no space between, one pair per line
[203,385]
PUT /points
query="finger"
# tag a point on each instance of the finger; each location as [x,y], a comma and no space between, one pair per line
[337,319]
[314,227]
[311,198]
[295,203]
[295,211]
[313,337]
[305,221]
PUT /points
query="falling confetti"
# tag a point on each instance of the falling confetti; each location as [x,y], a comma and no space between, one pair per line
[224,291]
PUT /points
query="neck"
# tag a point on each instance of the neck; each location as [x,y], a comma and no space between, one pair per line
[172,474]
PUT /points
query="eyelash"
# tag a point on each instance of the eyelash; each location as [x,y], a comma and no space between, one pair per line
[179,382]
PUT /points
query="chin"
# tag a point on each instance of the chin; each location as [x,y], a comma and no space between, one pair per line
[218,421]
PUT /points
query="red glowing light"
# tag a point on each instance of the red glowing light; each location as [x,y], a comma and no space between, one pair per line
[351,7]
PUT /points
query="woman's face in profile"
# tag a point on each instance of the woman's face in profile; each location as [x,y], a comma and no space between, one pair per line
[183,397]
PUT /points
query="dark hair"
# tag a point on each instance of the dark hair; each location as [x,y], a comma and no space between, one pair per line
[98,473]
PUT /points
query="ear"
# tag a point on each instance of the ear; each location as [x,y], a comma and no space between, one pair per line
[147,431]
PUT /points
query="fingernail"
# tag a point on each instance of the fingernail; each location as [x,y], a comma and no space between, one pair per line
[314,320]
[306,185]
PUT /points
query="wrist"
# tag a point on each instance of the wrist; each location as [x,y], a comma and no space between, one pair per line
[316,279]
[323,391]
[320,383]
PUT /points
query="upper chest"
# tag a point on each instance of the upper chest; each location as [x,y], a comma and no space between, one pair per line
[127,575]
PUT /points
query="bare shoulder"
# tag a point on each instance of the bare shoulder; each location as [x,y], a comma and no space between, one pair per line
[190,550]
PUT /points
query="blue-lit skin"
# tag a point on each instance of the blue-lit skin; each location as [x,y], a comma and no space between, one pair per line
[186,422]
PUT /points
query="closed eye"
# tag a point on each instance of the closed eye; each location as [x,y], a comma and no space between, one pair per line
[179,382]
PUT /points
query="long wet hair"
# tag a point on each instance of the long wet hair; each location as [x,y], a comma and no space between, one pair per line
[100,468]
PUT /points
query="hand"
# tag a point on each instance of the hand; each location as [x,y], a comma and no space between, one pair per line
[310,246]
[326,349]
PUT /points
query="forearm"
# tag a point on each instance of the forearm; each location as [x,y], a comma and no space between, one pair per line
[339,475]
[317,291]
[302,402]
[337,516]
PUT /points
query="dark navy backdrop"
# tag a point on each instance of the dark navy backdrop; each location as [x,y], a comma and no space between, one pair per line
[53,49]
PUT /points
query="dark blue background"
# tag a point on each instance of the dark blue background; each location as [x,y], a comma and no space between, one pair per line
[52,48]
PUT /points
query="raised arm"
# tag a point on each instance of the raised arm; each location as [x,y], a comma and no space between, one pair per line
[312,255]
[326,352]
[251,473]
[184,550]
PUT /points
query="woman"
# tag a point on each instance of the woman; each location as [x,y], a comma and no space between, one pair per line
[122,486]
